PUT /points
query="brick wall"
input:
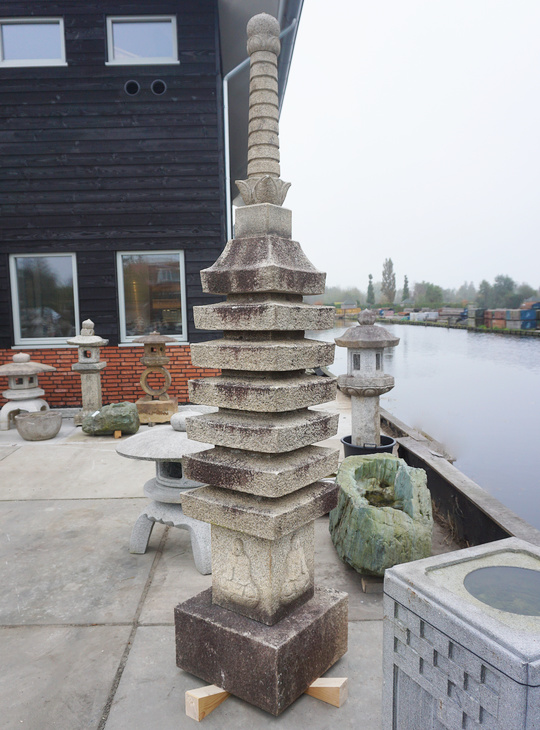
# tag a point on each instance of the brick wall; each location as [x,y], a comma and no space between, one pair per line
[119,380]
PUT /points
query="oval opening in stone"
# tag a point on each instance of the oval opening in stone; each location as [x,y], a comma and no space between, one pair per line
[507,588]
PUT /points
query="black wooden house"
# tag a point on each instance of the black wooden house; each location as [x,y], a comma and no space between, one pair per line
[122,125]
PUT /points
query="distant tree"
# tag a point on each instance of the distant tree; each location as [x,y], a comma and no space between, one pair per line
[427,294]
[406,293]
[484,296]
[504,292]
[526,292]
[466,292]
[388,281]
[370,292]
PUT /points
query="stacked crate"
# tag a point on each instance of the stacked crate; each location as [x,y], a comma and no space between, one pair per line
[513,319]
[475,317]
[528,319]
[499,319]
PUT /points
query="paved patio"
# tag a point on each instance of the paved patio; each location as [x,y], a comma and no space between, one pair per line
[86,629]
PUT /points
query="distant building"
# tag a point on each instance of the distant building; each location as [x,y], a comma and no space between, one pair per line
[123,128]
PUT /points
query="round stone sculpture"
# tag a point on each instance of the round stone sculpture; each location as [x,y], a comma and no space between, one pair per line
[383,517]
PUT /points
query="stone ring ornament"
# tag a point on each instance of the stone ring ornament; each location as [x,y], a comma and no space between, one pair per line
[155,392]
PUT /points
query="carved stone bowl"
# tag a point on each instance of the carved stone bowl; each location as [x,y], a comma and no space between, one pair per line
[38,426]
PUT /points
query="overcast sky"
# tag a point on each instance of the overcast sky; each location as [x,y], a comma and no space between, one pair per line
[411,130]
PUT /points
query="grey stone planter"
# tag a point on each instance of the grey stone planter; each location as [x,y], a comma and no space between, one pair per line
[38,426]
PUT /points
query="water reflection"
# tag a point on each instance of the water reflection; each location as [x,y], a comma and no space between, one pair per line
[478,394]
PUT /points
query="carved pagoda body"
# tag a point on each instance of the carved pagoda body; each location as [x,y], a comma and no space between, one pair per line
[263,616]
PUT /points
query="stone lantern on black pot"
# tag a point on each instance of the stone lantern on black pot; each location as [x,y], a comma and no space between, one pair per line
[365,382]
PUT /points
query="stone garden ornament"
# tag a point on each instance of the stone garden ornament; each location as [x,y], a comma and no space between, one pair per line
[263,618]
[89,368]
[23,394]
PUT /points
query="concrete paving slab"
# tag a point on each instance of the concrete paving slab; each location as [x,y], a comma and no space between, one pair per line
[152,690]
[58,677]
[175,578]
[34,473]
[68,562]
[7,450]
[330,571]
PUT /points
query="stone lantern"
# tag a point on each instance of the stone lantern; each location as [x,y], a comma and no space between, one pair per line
[155,406]
[365,382]
[89,366]
[23,393]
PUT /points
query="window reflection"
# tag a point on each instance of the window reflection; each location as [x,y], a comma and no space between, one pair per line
[142,39]
[152,293]
[45,295]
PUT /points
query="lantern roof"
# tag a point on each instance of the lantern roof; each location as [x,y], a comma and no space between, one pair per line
[366,334]
[22,365]
[87,338]
[154,338]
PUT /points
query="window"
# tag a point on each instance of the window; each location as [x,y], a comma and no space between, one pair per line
[142,40]
[151,294]
[32,42]
[44,295]
[356,361]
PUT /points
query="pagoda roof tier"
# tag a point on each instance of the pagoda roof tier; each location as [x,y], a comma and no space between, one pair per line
[259,394]
[262,355]
[265,315]
[266,518]
[261,474]
[272,434]
[263,264]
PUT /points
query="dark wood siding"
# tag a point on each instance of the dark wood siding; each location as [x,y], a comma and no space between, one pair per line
[88,169]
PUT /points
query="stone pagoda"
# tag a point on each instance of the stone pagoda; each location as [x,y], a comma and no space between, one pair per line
[263,632]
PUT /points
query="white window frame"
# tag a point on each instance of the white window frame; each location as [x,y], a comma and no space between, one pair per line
[126,339]
[112,61]
[21,62]
[39,341]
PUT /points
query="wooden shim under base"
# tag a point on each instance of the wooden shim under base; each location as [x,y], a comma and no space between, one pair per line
[201,702]
[118,434]
[333,690]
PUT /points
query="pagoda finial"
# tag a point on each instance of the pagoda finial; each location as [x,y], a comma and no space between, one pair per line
[263,184]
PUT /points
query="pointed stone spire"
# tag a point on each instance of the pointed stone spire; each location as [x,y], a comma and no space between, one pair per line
[263,184]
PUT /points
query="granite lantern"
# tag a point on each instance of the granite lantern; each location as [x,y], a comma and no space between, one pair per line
[167,446]
[462,640]
[23,393]
[89,368]
[263,632]
[365,382]
[156,406]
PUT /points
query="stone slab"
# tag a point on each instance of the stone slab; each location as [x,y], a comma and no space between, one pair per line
[58,676]
[261,516]
[96,472]
[263,315]
[68,562]
[274,433]
[261,395]
[152,690]
[269,667]
[262,355]
[261,474]
[262,264]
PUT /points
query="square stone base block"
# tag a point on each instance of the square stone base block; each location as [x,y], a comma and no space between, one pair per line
[156,411]
[267,666]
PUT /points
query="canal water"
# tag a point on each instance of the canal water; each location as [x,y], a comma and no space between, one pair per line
[479,394]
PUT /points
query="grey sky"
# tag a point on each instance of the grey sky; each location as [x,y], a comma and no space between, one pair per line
[411,130]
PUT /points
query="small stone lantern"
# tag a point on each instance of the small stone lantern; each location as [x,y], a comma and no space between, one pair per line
[156,406]
[23,393]
[89,367]
[365,380]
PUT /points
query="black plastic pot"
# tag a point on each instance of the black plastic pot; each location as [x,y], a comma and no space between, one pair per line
[387,444]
